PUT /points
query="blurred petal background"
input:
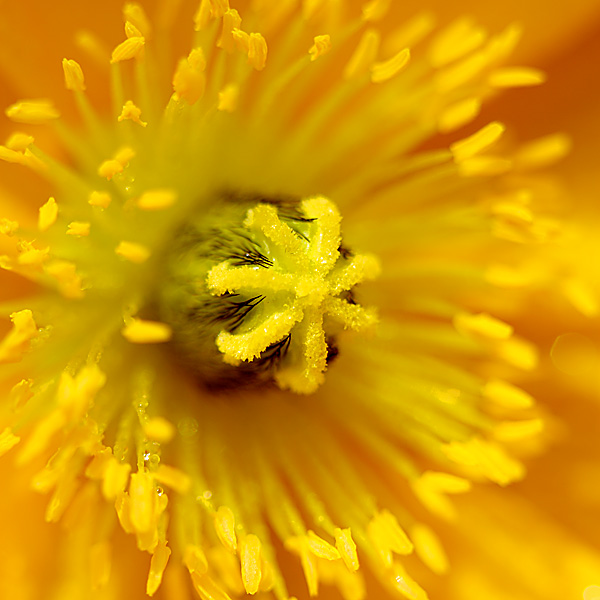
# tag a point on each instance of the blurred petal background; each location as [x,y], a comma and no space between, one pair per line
[535,540]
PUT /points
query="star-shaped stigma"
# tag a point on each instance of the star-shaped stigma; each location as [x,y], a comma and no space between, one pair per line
[301,299]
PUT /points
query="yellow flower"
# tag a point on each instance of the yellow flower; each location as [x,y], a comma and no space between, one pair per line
[275,317]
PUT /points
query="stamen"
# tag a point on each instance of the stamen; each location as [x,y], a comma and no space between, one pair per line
[257,51]
[321,548]
[510,77]
[47,215]
[231,21]
[225,528]
[251,563]
[158,199]
[135,14]
[16,342]
[132,112]
[384,71]
[321,46]
[159,430]
[138,331]
[158,564]
[8,440]
[473,145]
[32,112]
[374,10]
[228,98]
[189,80]
[459,114]
[132,251]
[19,141]
[347,549]
[456,41]
[101,199]
[130,48]
[429,549]
[364,55]
[78,228]
[507,395]
[482,325]
[73,75]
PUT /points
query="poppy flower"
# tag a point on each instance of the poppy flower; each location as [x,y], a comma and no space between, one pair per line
[270,280]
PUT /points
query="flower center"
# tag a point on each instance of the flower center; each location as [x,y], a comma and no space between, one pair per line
[258,290]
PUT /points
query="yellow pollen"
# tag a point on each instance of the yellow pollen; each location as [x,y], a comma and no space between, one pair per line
[473,145]
[8,440]
[138,331]
[189,80]
[32,112]
[312,285]
[321,46]
[78,229]
[132,251]
[134,13]
[257,51]
[132,112]
[158,199]
[375,10]
[47,215]
[482,325]
[364,55]
[19,141]
[131,31]
[383,71]
[101,199]
[73,75]
[509,77]
[228,98]
[130,48]
[16,341]
[231,21]
[250,563]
